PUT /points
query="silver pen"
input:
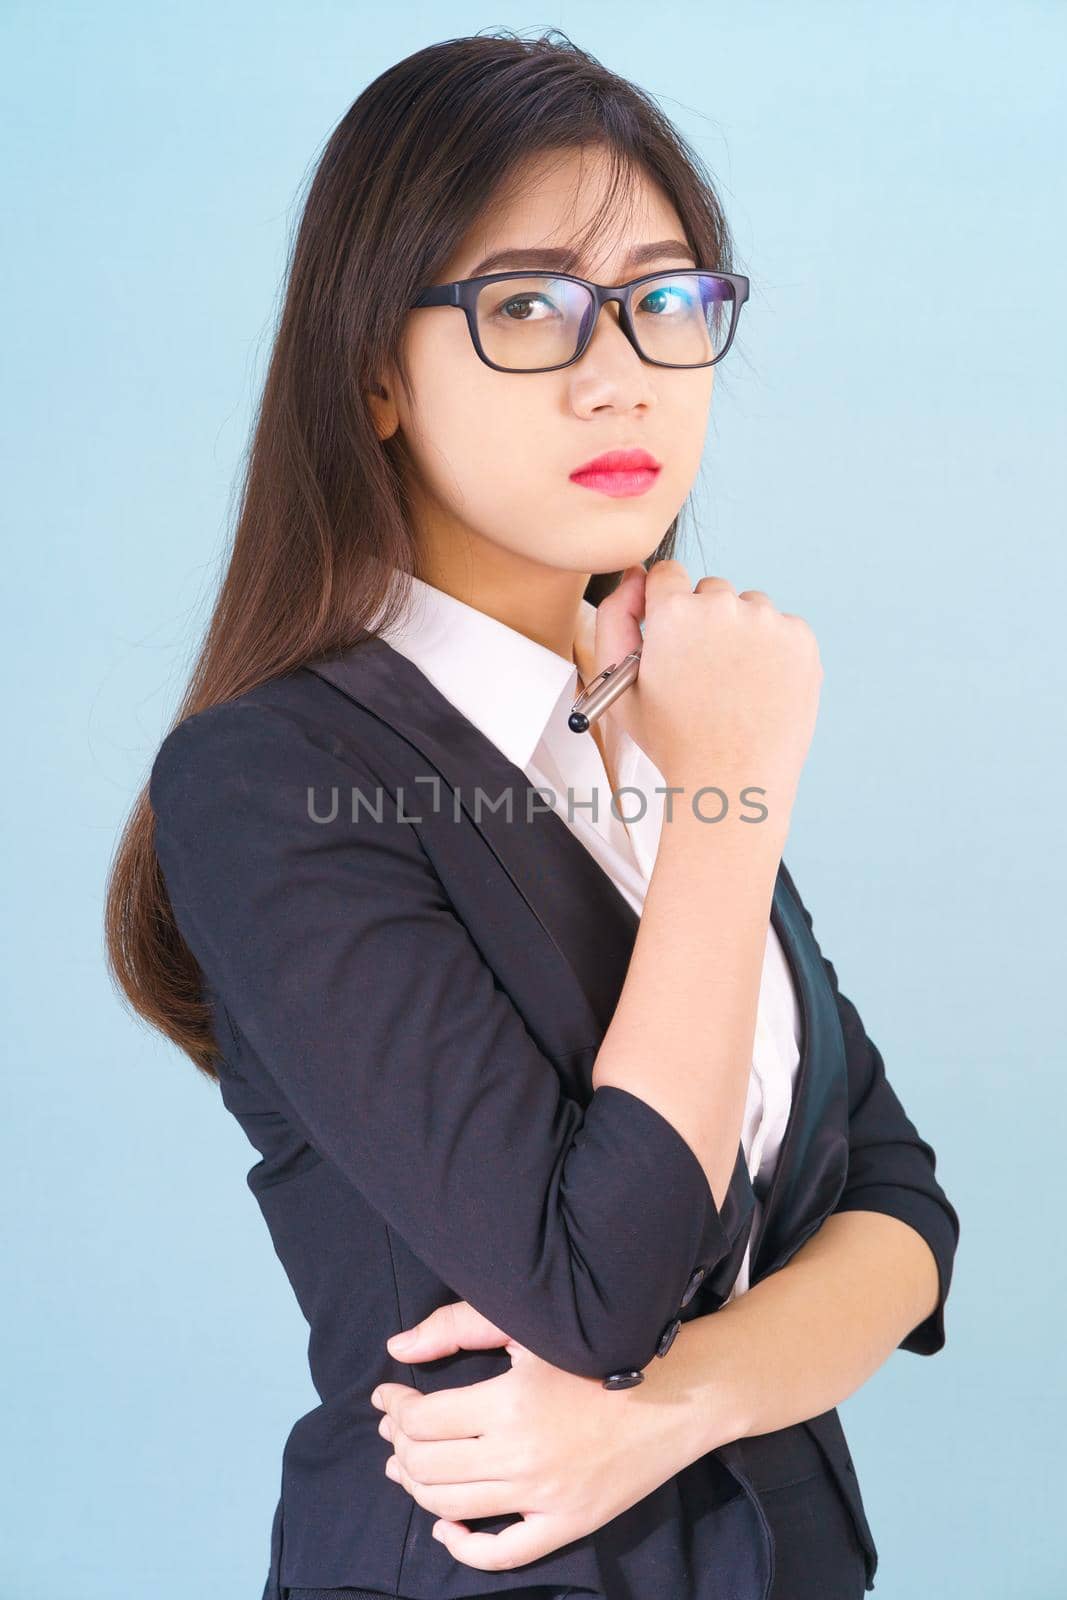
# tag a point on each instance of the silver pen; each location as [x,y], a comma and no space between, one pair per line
[602,690]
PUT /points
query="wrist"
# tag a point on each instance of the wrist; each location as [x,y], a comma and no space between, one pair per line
[711,1380]
[713,804]
[721,846]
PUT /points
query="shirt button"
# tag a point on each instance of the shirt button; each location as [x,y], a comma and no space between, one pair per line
[624,1380]
[693,1285]
[668,1336]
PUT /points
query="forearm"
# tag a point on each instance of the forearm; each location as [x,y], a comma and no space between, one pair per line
[799,1342]
[682,1033]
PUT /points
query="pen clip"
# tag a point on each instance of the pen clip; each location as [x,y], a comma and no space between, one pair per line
[594,683]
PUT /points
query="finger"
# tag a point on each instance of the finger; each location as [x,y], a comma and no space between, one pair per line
[455,1501]
[709,583]
[386,1396]
[456,1326]
[463,1413]
[443,1460]
[663,579]
[535,1536]
[618,619]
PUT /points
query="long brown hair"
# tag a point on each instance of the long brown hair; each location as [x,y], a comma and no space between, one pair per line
[321,520]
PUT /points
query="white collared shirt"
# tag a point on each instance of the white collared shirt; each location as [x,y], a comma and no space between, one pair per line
[518,693]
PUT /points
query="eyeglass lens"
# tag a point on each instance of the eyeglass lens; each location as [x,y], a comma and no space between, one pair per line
[537,320]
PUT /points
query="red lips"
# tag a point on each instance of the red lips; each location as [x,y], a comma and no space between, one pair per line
[619,461]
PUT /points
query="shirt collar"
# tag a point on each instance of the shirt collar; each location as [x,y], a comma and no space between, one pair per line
[508,685]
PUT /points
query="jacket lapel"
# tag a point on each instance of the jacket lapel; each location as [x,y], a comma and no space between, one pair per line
[588,919]
[593,927]
[813,1161]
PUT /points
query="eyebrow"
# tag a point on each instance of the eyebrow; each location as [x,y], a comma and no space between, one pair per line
[564,260]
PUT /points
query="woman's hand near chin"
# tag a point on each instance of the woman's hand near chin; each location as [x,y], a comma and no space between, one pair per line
[609,635]
[562,1451]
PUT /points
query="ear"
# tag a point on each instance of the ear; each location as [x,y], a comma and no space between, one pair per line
[383,411]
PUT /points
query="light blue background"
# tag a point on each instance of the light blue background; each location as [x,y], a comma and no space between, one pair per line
[881,460]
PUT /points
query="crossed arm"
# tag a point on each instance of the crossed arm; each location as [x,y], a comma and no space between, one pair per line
[802,1340]
[571,1456]
[873,1278]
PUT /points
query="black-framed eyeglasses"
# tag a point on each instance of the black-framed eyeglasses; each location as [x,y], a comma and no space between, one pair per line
[541,321]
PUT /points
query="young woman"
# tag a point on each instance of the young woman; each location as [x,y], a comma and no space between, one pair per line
[564,1086]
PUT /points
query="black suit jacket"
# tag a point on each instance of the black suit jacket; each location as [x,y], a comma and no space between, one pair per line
[409,1006]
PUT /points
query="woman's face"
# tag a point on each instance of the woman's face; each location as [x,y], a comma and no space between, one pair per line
[492,452]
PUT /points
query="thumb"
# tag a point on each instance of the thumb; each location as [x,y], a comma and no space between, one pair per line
[450,1328]
[618,619]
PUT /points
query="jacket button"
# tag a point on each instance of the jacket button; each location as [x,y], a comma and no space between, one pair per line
[693,1285]
[668,1336]
[624,1380]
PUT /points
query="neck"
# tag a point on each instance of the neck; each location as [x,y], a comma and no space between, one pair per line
[544,603]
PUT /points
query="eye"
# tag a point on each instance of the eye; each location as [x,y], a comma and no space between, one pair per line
[667,298]
[523,304]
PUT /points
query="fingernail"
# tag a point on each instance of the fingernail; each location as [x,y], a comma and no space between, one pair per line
[400,1341]
[376,1399]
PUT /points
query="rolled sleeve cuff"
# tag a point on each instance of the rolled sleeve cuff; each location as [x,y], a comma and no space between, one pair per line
[658,1268]
[941,1232]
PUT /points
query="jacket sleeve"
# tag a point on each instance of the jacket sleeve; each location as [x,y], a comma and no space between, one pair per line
[346,971]
[890,1167]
